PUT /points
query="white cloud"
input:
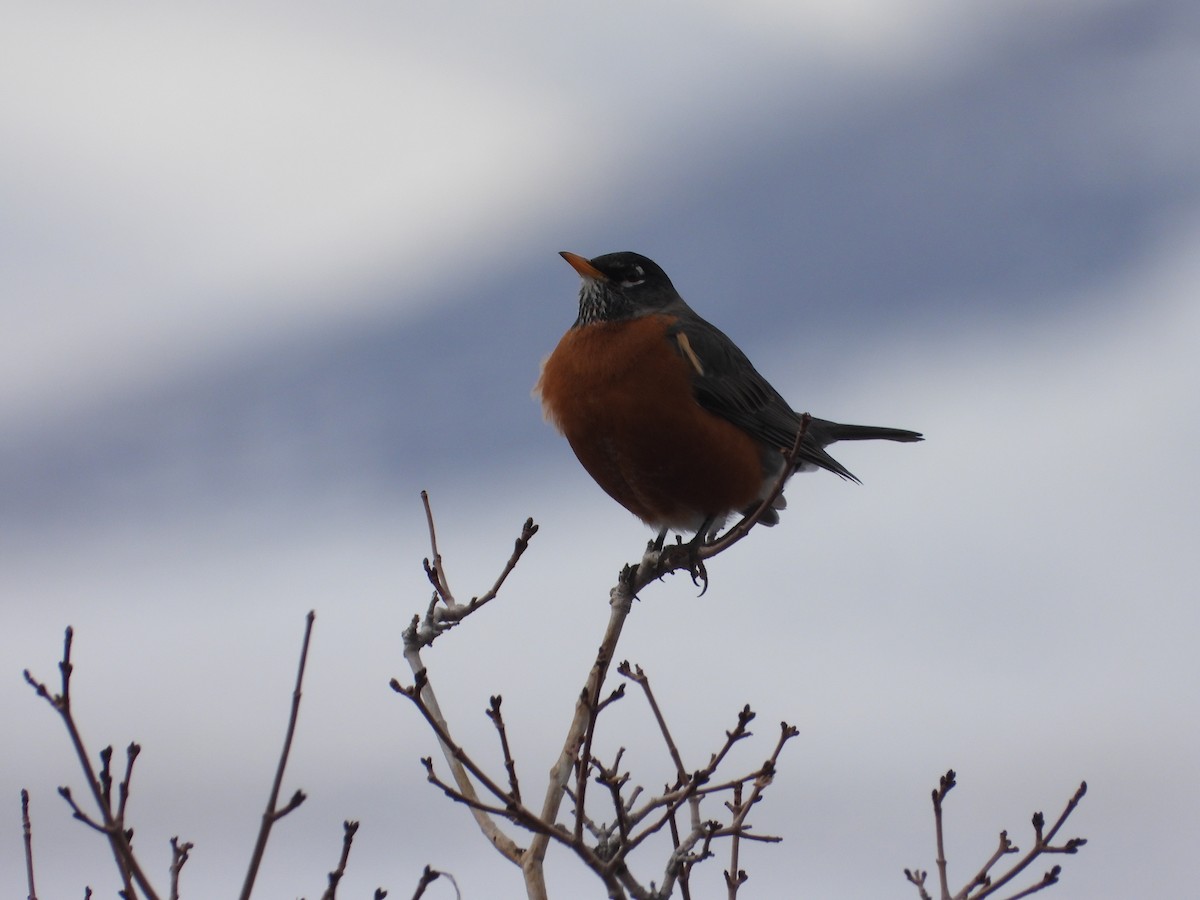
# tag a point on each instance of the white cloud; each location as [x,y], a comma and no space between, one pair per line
[177,179]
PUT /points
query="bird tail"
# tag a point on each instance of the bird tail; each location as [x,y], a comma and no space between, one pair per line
[827,433]
[822,433]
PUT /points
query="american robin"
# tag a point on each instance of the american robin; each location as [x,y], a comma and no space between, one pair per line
[666,413]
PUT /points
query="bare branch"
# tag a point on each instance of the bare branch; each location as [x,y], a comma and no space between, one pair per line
[349,829]
[462,767]
[428,877]
[983,884]
[510,766]
[78,813]
[179,856]
[918,878]
[273,813]
[1075,843]
[434,570]
[27,831]
[620,604]
[516,814]
[945,785]
[598,831]
[576,764]
[131,755]
[528,530]
[640,678]
[111,822]
[1041,845]
[735,876]
[444,615]
[420,633]
[583,760]
[1048,879]
[982,877]
[612,778]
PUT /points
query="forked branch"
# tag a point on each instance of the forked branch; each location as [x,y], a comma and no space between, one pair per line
[111,821]
[603,846]
[989,880]
[274,812]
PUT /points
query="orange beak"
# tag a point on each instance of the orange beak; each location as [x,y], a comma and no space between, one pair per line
[582,266]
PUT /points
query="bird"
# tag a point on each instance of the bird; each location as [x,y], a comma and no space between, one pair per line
[665,412]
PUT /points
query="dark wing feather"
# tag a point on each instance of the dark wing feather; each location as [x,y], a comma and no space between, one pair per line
[730,387]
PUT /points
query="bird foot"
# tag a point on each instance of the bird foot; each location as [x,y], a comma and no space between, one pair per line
[685,556]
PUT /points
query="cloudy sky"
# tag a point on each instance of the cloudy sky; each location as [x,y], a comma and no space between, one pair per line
[268,270]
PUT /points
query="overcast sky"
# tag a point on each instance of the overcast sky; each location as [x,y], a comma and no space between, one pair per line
[267,271]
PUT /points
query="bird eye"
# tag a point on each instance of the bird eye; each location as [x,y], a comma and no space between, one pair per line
[636,277]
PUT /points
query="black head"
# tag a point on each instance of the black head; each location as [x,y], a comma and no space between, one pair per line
[620,286]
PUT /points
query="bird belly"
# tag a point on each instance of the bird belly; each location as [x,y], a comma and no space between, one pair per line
[622,396]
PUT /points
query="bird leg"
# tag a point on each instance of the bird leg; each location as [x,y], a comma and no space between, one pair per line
[657,544]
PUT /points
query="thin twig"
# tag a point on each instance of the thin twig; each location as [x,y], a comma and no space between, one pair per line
[463,768]
[518,817]
[78,814]
[917,877]
[349,829]
[112,826]
[510,766]
[1041,845]
[640,678]
[425,699]
[595,829]
[1048,879]
[131,755]
[179,856]
[735,876]
[434,570]
[611,778]
[440,617]
[1075,843]
[583,760]
[945,785]
[669,804]
[697,784]
[273,812]
[27,831]
[983,880]
[520,545]
[427,878]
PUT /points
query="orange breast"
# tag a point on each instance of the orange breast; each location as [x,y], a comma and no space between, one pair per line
[622,396]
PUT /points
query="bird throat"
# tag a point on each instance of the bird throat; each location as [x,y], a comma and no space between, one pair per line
[599,304]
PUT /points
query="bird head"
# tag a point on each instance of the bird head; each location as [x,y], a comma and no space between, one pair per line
[619,286]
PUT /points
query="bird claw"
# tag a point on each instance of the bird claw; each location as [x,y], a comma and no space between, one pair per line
[681,556]
[698,573]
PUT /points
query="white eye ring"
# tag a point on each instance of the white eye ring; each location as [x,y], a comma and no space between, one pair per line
[641,278]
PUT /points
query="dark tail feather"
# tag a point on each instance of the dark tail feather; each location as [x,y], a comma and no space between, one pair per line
[822,433]
[826,433]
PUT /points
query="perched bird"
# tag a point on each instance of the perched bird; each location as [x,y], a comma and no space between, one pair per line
[666,413]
